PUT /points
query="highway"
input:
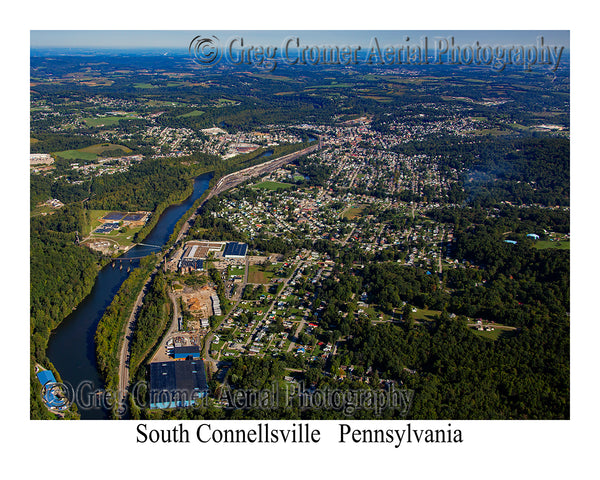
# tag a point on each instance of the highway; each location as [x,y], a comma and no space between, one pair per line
[225,183]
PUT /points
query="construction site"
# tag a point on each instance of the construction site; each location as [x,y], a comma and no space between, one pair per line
[193,307]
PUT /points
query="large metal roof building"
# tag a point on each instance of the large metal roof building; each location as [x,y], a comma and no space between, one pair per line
[177,383]
[235,250]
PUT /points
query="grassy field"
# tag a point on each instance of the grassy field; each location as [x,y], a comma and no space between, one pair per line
[562,245]
[103,147]
[425,315]
[144,85]
[91,153]
[76,155]
[195,113]
[261,274]
[106,121]
[494,334]
[352,212]
[224,102]
[268,185]
[160,103]
[237,270]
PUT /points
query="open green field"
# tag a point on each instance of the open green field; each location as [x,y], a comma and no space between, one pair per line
[106,121]
[97,121]
[561,245]
[99,148]
[223,102]
[425,315]
[262,274]
[269,185]
[144,85]
[161,103]
[76,155]
[494,334]
[92,152]
[353,212]
[94,217]
[195,113]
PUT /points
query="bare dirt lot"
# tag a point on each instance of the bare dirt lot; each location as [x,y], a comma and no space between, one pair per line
[197,300]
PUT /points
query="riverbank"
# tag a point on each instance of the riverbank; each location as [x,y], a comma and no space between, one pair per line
[72,346]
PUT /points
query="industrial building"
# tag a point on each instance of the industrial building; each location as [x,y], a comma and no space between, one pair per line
[194,254]
[235,250]
[191,263]
[177,383]
[192,258]
[185,352]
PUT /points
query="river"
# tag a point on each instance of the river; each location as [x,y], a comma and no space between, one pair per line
[71,346]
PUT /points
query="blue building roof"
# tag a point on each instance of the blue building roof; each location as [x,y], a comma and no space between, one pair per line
[184,352]
[46,376]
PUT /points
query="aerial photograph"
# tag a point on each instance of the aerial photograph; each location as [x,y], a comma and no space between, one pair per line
[299,225]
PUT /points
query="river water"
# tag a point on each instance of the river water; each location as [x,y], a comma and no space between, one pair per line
[71,346]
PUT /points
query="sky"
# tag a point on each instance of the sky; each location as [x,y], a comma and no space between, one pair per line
[171,39]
